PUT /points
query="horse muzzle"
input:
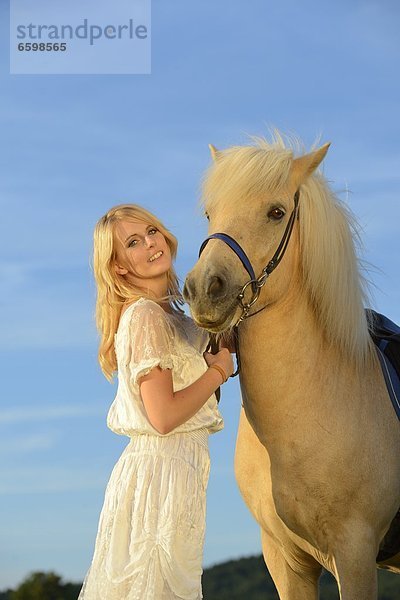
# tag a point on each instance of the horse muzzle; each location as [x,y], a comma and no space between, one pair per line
[212,299]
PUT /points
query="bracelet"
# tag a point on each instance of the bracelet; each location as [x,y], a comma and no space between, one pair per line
[220,370]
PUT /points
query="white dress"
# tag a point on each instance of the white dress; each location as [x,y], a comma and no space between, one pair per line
[149,543]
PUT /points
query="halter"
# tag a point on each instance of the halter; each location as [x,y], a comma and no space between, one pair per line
[255,283]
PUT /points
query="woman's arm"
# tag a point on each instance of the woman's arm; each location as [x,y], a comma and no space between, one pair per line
[167,409]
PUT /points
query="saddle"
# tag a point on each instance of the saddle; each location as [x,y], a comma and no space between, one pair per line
[386,337]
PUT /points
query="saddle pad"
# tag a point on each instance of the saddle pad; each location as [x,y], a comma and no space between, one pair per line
[386,337]
[392,380]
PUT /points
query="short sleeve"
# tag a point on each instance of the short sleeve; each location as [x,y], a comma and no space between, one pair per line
[149,341]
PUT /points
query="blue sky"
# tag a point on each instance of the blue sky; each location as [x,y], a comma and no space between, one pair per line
[73,146]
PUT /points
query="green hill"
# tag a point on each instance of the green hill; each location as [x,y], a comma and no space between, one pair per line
[245,578]
[248,578]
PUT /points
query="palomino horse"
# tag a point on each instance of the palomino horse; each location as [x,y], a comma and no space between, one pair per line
[318,448]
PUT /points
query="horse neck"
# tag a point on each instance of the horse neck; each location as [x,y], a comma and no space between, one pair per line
[287,365]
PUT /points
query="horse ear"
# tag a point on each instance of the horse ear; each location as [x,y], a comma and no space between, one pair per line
[214,152]
[304,166]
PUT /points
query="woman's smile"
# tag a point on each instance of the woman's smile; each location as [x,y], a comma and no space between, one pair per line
[156,256]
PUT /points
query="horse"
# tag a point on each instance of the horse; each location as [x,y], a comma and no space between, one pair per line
[317,456]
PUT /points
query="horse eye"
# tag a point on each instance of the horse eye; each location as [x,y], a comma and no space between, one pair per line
[207,216]
[276,214]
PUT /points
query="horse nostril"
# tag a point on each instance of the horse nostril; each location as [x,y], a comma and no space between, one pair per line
[188,290]
[216,287]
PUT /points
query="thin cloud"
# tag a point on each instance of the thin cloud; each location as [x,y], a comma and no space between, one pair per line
[44,480]
[27,443]
[47,413]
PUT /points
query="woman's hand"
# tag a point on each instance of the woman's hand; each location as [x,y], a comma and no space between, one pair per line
[222,358]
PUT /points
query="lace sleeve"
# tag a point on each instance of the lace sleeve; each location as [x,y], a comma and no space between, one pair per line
[149,341]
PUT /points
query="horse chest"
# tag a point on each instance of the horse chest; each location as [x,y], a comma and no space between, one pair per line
[277,494]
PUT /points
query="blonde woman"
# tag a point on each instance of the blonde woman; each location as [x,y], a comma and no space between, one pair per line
[149,542]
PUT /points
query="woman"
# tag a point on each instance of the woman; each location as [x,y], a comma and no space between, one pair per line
[150,536]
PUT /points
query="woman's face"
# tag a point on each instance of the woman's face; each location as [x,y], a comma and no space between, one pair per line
[142,251]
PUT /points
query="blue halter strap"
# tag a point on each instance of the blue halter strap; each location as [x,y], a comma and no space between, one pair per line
[238,250]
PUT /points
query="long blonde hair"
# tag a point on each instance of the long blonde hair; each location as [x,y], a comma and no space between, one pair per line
[113,290]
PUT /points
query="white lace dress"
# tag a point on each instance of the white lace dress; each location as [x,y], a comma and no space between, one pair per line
[150,537]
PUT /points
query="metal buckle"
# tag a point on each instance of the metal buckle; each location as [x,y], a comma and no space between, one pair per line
[255,294]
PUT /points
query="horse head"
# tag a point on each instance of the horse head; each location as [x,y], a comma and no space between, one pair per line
[250,195]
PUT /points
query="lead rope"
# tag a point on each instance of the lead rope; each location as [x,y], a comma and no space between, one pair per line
[212,347]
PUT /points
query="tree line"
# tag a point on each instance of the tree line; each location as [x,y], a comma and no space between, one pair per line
[233,580]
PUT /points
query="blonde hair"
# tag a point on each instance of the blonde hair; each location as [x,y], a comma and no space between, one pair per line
[113,290]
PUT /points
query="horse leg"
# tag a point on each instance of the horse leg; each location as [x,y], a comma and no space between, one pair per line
[294,580]
[356,573]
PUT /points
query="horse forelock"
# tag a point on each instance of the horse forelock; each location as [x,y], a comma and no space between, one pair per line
[242,172]
[331,273]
